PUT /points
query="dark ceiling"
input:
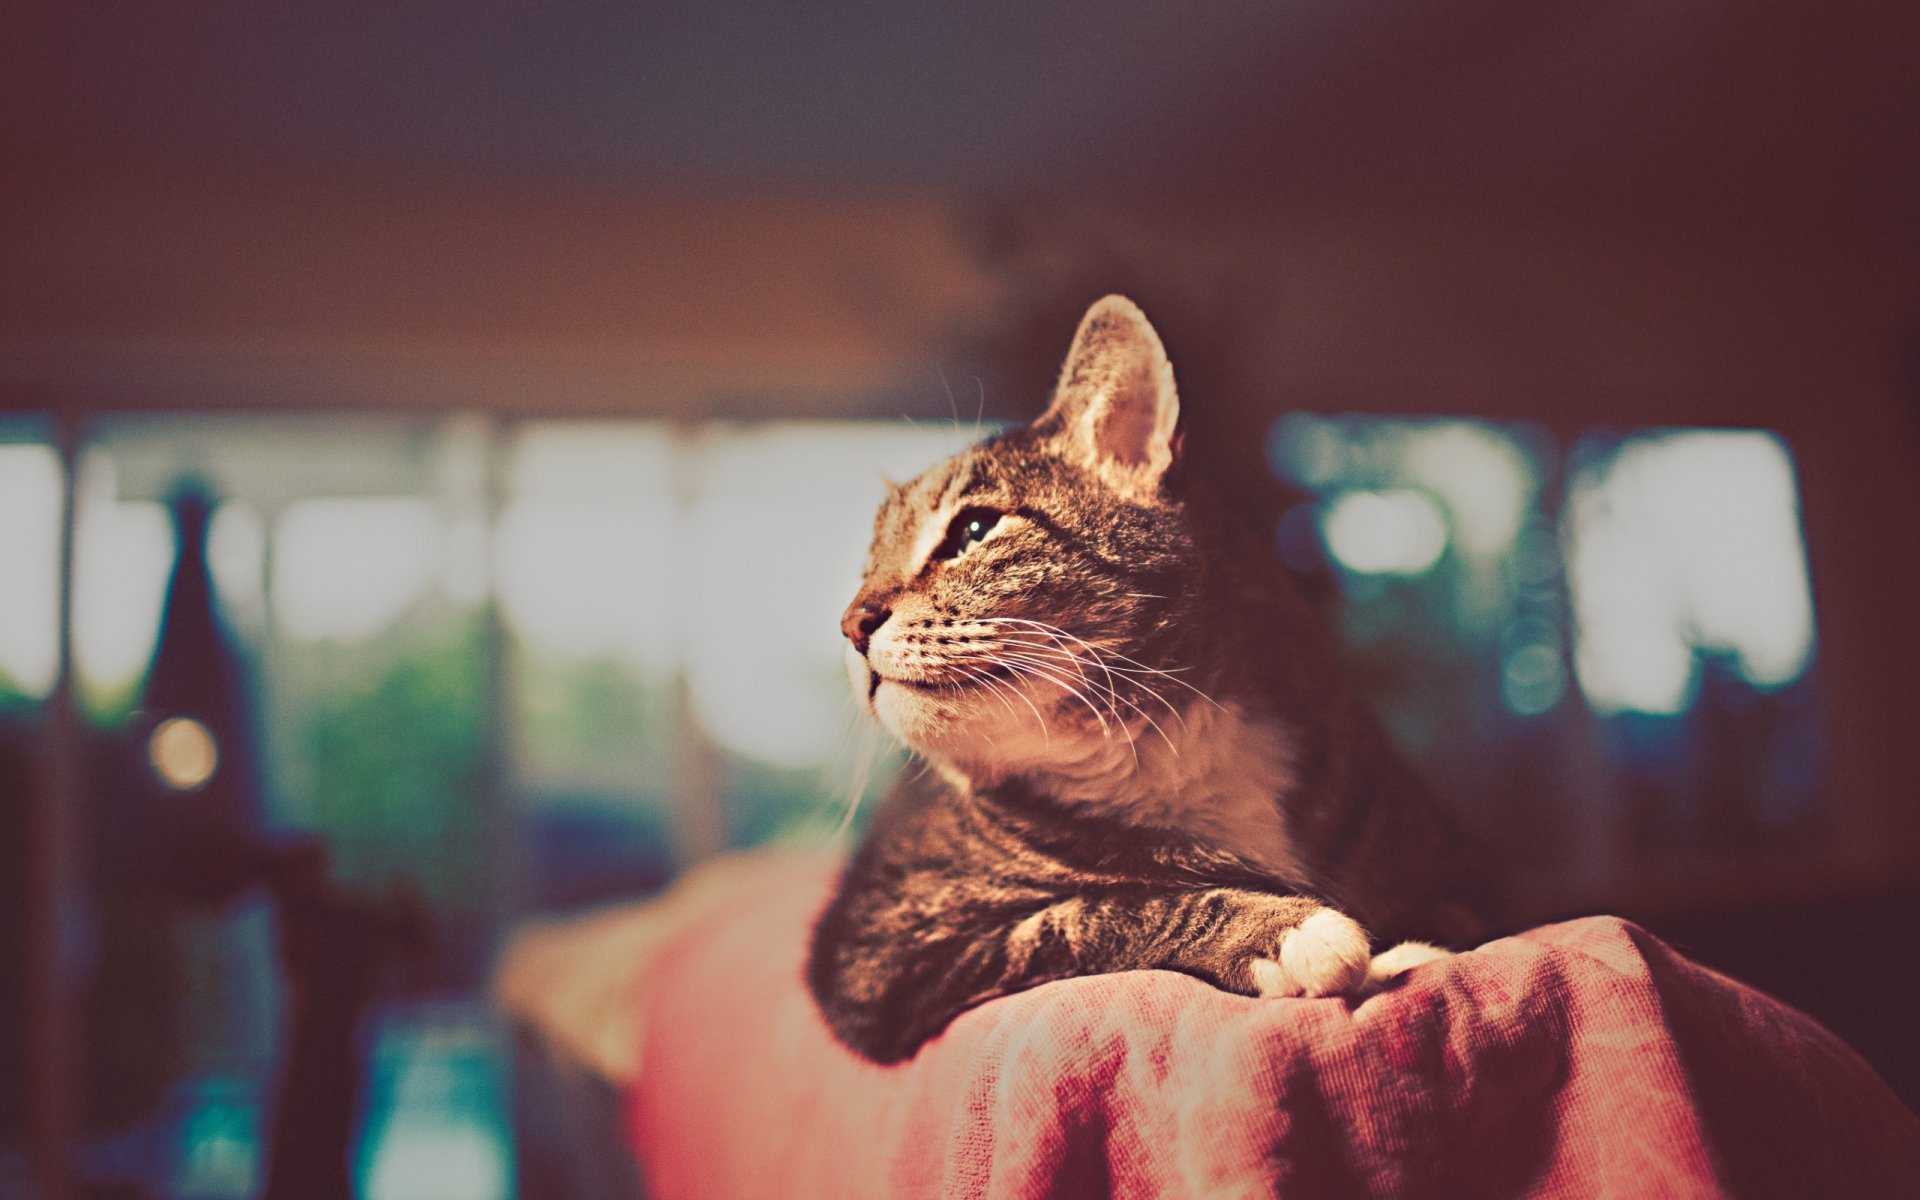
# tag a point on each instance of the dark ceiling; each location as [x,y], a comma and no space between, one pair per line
[987,92]
[1703,106]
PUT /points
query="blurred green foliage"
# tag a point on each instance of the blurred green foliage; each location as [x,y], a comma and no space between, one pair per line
[395,766]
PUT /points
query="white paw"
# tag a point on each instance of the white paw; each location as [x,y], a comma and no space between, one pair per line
[1325,955]
[1396,961]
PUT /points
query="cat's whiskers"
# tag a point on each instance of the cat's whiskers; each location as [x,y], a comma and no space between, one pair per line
[1099,657]
[1056,659]
[1115,699]
[985,683]
[1133,665]
[953,402]
[1055,655]
[988,654]
[1094,655]
[1042,670]
[998,688]
[1000,691]
[867,754]
[1106,727]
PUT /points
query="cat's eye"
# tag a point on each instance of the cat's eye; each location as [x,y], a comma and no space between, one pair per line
[968,526]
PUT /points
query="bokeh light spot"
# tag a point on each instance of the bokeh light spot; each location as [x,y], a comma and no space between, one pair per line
[183,754]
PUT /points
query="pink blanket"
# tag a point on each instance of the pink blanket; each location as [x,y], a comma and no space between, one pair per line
[1580,1059]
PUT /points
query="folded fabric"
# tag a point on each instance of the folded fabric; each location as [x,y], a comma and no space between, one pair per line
[572,979]
[1579,1059]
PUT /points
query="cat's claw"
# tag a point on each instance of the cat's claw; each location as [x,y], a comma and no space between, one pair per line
[1325,955]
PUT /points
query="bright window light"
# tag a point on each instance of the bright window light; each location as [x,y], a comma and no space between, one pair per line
[579,578]
[30,480]
[450,1161]
[123,552]
[236,552]
[1398,495]
[725,554]
[1481,475]
[1483,478]
[434,1124]
[1683,541]
[775,539]
[585,544]
[1396,532]
[344,569]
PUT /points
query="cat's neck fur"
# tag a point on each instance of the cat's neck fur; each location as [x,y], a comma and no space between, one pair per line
[1222,762]
[1218,771]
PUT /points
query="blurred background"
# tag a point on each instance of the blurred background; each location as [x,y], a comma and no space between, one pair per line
[437,440]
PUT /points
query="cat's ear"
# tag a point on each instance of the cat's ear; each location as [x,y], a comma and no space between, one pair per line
[1115,409]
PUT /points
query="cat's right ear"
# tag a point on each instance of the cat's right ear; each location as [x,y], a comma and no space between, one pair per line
[1115,409]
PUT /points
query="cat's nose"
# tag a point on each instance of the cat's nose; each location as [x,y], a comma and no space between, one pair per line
[860,620]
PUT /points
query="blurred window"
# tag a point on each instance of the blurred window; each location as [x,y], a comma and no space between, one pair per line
[672,595]
[778,526]
[1666,578]
[1694,632]
[1680,545]
[668,603]
[30,499]
[1437,535]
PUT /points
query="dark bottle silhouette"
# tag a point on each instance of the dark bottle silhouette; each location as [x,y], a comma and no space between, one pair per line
[200,767]
[199,751]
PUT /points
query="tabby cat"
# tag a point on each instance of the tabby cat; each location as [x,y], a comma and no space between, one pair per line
[1142,751]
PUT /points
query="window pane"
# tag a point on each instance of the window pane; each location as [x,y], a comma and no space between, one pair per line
[1450,595]
[122,553]
[30,484]
[1679,543]
[584,570]
[1672,588]
[1695,631]
[779,521]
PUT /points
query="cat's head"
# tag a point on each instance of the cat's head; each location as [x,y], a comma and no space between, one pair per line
[1026,601]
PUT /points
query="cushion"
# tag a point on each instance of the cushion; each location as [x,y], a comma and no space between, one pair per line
[1578,1059]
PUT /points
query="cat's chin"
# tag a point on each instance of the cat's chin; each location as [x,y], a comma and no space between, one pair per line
[979,736]
[982,730]
[946,722]
[927,716]
[929,719]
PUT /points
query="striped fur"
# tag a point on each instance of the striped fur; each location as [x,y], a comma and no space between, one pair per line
[1144,754]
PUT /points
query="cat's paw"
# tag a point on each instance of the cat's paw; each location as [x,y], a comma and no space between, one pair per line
[1325,955]
[1390,964]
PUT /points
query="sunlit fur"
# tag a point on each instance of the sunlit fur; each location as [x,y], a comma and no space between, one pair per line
[1144,752]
